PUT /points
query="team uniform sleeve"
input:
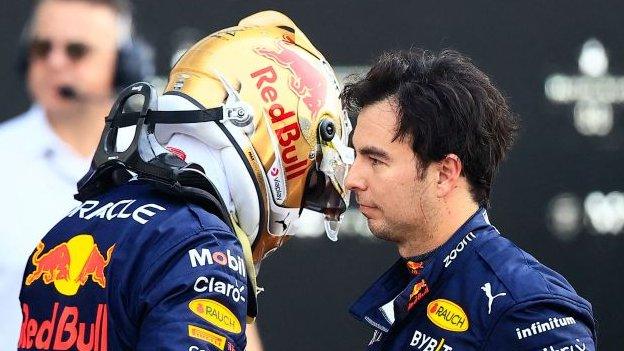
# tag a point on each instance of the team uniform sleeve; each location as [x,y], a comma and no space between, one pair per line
[544,326]
[194,296]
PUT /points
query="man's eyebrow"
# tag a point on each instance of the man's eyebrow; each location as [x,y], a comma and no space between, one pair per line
[373,151]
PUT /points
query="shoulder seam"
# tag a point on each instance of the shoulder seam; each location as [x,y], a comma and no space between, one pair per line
[526,263]
[200,222]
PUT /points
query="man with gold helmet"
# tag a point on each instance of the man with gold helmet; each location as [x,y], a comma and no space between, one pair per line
[164,249]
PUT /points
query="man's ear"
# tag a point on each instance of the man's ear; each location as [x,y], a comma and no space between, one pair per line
[449,171]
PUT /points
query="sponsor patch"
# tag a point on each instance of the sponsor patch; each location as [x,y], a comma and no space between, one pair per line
[65,329]
[69,265]
[418,292]
[278,185]
[426,342]
[577,346]
[542,327]
[123,209]
[415,267]
[212,285]
[458,249]
[206,335]
[216,314]
[447,315]
[205,256]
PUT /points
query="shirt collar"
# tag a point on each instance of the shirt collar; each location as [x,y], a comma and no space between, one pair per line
[397,291]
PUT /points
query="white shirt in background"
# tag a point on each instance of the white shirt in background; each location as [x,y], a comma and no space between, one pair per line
[38,176]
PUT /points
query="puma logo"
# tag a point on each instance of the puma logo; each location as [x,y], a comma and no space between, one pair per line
[487,288]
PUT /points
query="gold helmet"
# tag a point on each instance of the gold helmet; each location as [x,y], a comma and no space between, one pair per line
[282,113]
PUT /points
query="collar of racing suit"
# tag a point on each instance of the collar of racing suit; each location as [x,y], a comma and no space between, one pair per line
[252,304]
[390,299]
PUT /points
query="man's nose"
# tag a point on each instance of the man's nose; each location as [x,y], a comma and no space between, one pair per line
[354,180]
[57,58]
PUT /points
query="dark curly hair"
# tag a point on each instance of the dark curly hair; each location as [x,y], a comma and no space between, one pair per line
[446,105]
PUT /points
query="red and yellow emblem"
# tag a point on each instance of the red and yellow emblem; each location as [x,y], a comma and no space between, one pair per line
[69,265]
[418,292]
[447,315]
[415,267]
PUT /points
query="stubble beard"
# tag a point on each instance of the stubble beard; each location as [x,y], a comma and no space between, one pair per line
[389,230]
[382,231]
[408,230]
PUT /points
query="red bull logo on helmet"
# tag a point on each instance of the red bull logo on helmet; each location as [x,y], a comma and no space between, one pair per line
[288,135]
[68,266]
[306,80]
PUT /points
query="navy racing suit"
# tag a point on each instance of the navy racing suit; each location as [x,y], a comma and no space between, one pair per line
[133,269]
[478,291]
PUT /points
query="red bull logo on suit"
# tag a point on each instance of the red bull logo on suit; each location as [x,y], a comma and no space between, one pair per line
[65,330]
[69,265]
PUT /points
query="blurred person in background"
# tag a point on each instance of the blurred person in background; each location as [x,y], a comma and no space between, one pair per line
[431,132]
[74,54]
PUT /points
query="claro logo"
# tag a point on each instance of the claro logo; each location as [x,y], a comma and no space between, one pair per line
[447,315]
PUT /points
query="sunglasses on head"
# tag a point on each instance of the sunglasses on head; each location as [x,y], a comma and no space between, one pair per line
[41,48]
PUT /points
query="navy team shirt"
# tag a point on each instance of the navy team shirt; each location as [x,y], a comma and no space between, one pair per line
[135,270]
[478,291]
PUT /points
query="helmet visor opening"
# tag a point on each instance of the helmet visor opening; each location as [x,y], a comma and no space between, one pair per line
[320,195]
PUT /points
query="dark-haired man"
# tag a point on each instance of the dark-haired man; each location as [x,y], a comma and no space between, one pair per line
[431,132]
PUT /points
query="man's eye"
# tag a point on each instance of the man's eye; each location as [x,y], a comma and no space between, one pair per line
[375,162]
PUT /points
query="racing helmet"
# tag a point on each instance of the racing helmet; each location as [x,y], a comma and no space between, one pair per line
[283,115]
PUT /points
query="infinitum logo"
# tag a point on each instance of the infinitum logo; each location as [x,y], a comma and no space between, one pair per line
[541,327]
